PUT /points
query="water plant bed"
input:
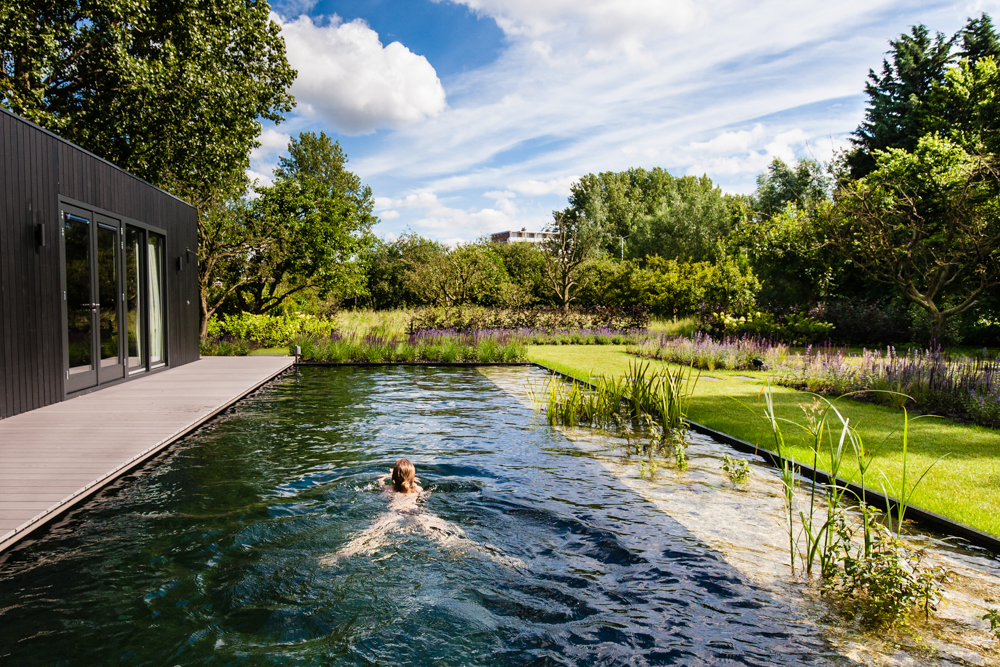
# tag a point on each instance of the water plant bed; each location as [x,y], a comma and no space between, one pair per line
[972,468]
[742,518]
[926,519]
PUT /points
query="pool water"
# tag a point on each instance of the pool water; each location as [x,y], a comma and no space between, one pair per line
[525,551]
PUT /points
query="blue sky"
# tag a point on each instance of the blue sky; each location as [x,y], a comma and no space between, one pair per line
[468,117]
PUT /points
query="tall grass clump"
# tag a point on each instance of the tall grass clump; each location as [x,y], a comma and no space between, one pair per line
[423,347]
[706,353]
[648,408]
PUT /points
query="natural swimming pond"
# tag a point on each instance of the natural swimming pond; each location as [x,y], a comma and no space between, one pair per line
[530,549]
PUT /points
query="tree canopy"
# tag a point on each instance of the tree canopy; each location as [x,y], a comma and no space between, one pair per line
[171,91]
[309,230]
[928,223]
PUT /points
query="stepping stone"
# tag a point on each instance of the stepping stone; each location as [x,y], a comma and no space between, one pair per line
[744,377]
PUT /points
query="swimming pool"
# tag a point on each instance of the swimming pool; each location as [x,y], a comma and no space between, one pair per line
[221,552]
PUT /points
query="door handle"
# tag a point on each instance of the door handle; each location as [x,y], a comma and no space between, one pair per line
[91,305]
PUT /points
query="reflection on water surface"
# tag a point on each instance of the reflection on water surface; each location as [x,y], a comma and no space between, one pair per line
[221,552]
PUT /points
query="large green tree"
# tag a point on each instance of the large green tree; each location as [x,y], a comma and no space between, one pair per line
[643,213]
[171,91]
[895,117]
[308,231]
[470,274]
[389,264]
[928,223]
[804,185]
[617,201]
[575,242]
[688,220]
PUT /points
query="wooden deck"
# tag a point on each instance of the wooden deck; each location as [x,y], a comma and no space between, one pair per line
[57,456]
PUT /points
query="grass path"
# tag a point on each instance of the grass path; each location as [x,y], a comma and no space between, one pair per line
[965,486]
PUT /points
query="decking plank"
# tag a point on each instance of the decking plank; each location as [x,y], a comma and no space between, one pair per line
[56,456]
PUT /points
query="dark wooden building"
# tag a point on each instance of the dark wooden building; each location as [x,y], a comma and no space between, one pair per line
[98,272]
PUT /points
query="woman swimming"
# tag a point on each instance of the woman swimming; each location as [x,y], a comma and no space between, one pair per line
[405,516]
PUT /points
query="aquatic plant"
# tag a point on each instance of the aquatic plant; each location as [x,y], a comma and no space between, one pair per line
[884,580]
[739,470]
[653,402]
[993,616]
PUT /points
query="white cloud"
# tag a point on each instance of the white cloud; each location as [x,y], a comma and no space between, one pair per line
[391,214]
[555,186]
[272,142]
[349,78]
[606,25]
[422,199]
[714,86]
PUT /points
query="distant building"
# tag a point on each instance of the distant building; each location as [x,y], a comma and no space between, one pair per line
[523,235]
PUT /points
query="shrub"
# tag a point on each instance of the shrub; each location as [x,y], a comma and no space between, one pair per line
[469,318]
[268,330]
[225,346]
[795,329]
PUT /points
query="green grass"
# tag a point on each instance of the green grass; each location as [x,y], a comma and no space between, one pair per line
[965,486]
[280,351]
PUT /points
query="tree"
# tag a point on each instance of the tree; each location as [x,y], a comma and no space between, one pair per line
[309,231]
[897,97]
[689,219]
[978,39]
[576,241]
[615,202]
[388,265]
[170,91]
[928,223]
[524,263]
[803,185]
[965,107]
[470,274]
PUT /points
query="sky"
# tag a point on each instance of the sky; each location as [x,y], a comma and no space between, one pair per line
[470,117]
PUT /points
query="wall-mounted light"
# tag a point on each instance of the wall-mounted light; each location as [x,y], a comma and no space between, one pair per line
[40,235]
[180,263]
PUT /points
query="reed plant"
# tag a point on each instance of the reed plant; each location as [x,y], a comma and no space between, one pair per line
[648,408]
[424,347]
[882,578]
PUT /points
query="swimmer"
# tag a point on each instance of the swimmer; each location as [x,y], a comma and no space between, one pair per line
[404,516]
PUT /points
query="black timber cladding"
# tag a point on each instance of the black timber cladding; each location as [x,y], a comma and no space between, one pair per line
[38,170]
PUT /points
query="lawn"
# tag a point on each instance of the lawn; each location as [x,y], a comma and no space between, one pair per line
[964,486]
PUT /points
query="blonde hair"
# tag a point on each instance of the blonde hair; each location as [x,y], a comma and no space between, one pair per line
[403,476]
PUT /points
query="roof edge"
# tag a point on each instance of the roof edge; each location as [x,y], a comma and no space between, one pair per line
[96,157]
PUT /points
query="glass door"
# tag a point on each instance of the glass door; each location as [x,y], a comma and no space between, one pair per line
[80,299]
[155,262]
[109,297]
[135,311]
[92,252]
